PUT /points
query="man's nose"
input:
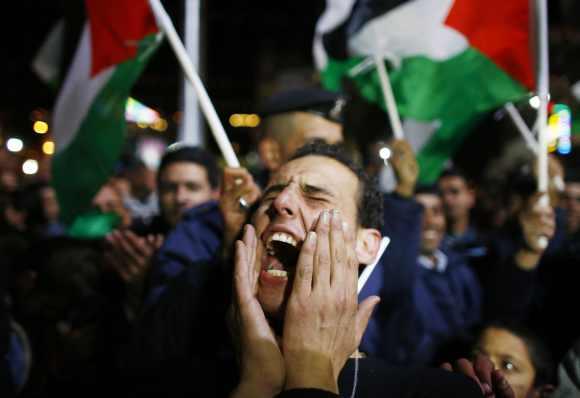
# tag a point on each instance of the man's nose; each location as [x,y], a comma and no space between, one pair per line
[286,203]
[181,195]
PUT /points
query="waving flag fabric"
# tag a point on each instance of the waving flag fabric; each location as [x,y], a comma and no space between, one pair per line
[88,123]
[449,61]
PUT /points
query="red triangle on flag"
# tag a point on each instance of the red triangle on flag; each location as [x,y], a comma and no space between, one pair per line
[116,27]
[500,29]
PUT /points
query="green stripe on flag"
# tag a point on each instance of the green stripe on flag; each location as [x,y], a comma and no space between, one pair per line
[87,162]
[454,92]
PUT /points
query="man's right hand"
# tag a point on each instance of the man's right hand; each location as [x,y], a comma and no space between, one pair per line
[261,362]
[237,183]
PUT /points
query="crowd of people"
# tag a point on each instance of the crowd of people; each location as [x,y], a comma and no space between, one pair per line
[300,279]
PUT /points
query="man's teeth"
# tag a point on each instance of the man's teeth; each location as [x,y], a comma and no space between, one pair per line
[282,237]
[277,272]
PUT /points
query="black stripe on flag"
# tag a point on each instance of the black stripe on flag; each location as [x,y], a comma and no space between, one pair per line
[362,12]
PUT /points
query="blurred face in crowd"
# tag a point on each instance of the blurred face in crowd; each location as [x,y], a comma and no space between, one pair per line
[571,202]
[49,203]
[290,207]
[458,197]
[183,185]
[290,131]
[433,227]
[142,182]
[8,180]
[509,353]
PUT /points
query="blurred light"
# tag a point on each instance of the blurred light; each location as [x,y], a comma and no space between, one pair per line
[160,125]
[535,102]
[236,120]
[150,150]
[142,125]
[385,153]
[139,113]
[244,120]
[40,127]
[252,120]
[14,144]
[562,126]
[30,166]
[48,147]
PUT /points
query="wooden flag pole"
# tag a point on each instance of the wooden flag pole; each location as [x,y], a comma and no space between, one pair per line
[205,103]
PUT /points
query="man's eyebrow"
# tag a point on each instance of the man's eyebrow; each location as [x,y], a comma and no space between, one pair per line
[313,189]
[274,188]
[306,188]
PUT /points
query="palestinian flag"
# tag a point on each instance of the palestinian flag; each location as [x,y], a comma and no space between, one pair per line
[89,116]
[450,62]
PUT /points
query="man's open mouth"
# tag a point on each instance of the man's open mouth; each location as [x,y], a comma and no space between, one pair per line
[282,251]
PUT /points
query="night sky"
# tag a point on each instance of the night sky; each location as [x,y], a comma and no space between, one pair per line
[247,45]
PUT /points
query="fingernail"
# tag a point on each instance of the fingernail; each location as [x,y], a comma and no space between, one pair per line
[324,216]
[311,237]
[344,226]
[486,389]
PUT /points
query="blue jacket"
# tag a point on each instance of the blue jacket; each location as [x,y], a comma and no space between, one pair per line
[418,309]
[448,302]
[196,238]
[392,330]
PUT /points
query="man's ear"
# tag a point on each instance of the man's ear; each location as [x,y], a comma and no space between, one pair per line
[368,241]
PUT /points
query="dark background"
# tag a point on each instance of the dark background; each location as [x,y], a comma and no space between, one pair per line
[250,49]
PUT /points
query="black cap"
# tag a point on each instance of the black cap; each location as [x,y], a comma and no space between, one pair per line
[324,103]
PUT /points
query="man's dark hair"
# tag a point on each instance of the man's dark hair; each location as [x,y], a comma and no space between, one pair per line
[432,189]
[192,154]
[455,171]
[370,200]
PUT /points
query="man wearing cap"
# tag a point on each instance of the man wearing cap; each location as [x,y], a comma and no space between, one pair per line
[293,118]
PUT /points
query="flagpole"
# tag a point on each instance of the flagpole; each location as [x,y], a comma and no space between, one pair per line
[522,127]
[207,107]
[191,127]
[389,98]
[543,94]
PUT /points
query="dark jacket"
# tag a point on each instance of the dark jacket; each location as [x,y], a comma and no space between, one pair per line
[196,238]
[449,304]
[182,348]
[392,332]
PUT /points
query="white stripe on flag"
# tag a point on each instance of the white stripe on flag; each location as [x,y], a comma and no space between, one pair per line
[78,93]
[395,34]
